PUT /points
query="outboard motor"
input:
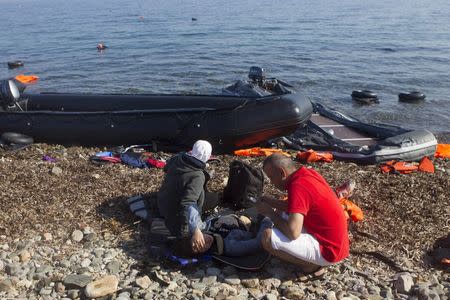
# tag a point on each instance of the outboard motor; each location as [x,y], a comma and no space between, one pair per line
[9,94]
[257,75]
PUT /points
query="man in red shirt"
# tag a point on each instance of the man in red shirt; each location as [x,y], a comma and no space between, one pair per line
[310,229]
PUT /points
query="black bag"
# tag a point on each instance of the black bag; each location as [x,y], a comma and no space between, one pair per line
[245,183]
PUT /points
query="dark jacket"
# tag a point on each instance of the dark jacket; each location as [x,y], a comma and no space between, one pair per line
[183,186]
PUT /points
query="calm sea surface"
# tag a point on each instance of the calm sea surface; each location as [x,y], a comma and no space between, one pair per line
[324,48]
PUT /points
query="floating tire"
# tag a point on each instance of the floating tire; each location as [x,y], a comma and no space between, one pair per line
[16,138]
[411,97]
[15,64]
[364,94]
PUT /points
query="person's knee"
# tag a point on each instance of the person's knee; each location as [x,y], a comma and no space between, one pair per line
[266,240]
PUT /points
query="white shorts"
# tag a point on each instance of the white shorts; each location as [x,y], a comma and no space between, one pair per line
[306,247]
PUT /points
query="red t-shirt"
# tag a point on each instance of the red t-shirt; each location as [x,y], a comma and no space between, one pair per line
[310,195]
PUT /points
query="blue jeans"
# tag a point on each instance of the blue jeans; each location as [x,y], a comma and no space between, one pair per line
[240,242]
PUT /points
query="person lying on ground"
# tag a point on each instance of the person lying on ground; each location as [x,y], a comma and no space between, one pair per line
[310,229]
[182,199]
[227,238]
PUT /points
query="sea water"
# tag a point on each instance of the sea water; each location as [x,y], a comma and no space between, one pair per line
[325,49]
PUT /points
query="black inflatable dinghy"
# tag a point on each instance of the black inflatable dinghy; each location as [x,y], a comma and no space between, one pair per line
[352,140]
[227,121]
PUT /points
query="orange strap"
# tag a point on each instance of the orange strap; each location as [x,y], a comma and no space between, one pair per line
[426,165]
[442,151]
[27,79]
[257,151]
[312,156]
[351,210]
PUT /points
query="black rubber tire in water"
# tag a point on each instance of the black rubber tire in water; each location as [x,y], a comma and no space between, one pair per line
[16,138]
[411,97]
[364,94]
[15,64]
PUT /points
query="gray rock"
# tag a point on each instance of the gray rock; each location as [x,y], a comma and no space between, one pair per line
[229,270]
[85,263]
[73,294]
[212,292]
[331,295]
[233,280]
[13,269]
[386,293]
[56,171]
[209,280]
[102,287]
[403,283]
[6,285]
[374,297]
[60,288]
[427,294]
[250,282]
[113,266]
[143,282]
[2,266]
[77,281]
[199,286]
[213,271]
[44,269]
[77,235]
[270,297]
[271,283]
[45,291]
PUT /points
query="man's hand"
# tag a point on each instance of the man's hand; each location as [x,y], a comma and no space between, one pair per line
[264,209]
[197,241]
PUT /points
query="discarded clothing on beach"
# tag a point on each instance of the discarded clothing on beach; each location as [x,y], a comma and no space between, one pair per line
[401,167]
[442,151]
[258,151]
[130,158]
[314,156]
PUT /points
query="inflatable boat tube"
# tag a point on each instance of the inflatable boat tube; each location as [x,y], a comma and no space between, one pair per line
[16,138]
[411,97]
[356,141]
[228,122]
[364,94]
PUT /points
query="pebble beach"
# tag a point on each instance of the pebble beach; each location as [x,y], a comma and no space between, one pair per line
[66,233]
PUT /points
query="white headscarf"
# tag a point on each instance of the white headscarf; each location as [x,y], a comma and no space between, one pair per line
[201,150]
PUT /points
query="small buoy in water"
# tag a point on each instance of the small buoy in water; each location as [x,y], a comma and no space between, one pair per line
[15,64]
[101,46]
[413,96]
[141,17]
[194,19]
[365,96]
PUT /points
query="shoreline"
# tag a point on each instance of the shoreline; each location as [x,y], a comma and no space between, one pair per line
[43,207]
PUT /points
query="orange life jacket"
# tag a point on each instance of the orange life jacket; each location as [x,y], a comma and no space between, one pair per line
[426,165]
[312,156]
[27,79]
[442,151]
[257,151]
[351,210]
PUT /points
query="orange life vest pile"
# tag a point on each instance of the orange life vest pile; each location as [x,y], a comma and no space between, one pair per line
[351,210]
[401,167]
[257,151]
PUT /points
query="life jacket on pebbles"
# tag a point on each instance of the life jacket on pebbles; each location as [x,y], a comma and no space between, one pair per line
[401,167]
[442,151]
[313,156]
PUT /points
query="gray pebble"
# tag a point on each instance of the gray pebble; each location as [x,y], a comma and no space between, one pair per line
[77,235]
[113,266]
[77,281]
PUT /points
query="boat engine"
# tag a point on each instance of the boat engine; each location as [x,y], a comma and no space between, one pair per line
[9,95]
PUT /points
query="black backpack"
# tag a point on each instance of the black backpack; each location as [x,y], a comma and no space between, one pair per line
[244,186]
